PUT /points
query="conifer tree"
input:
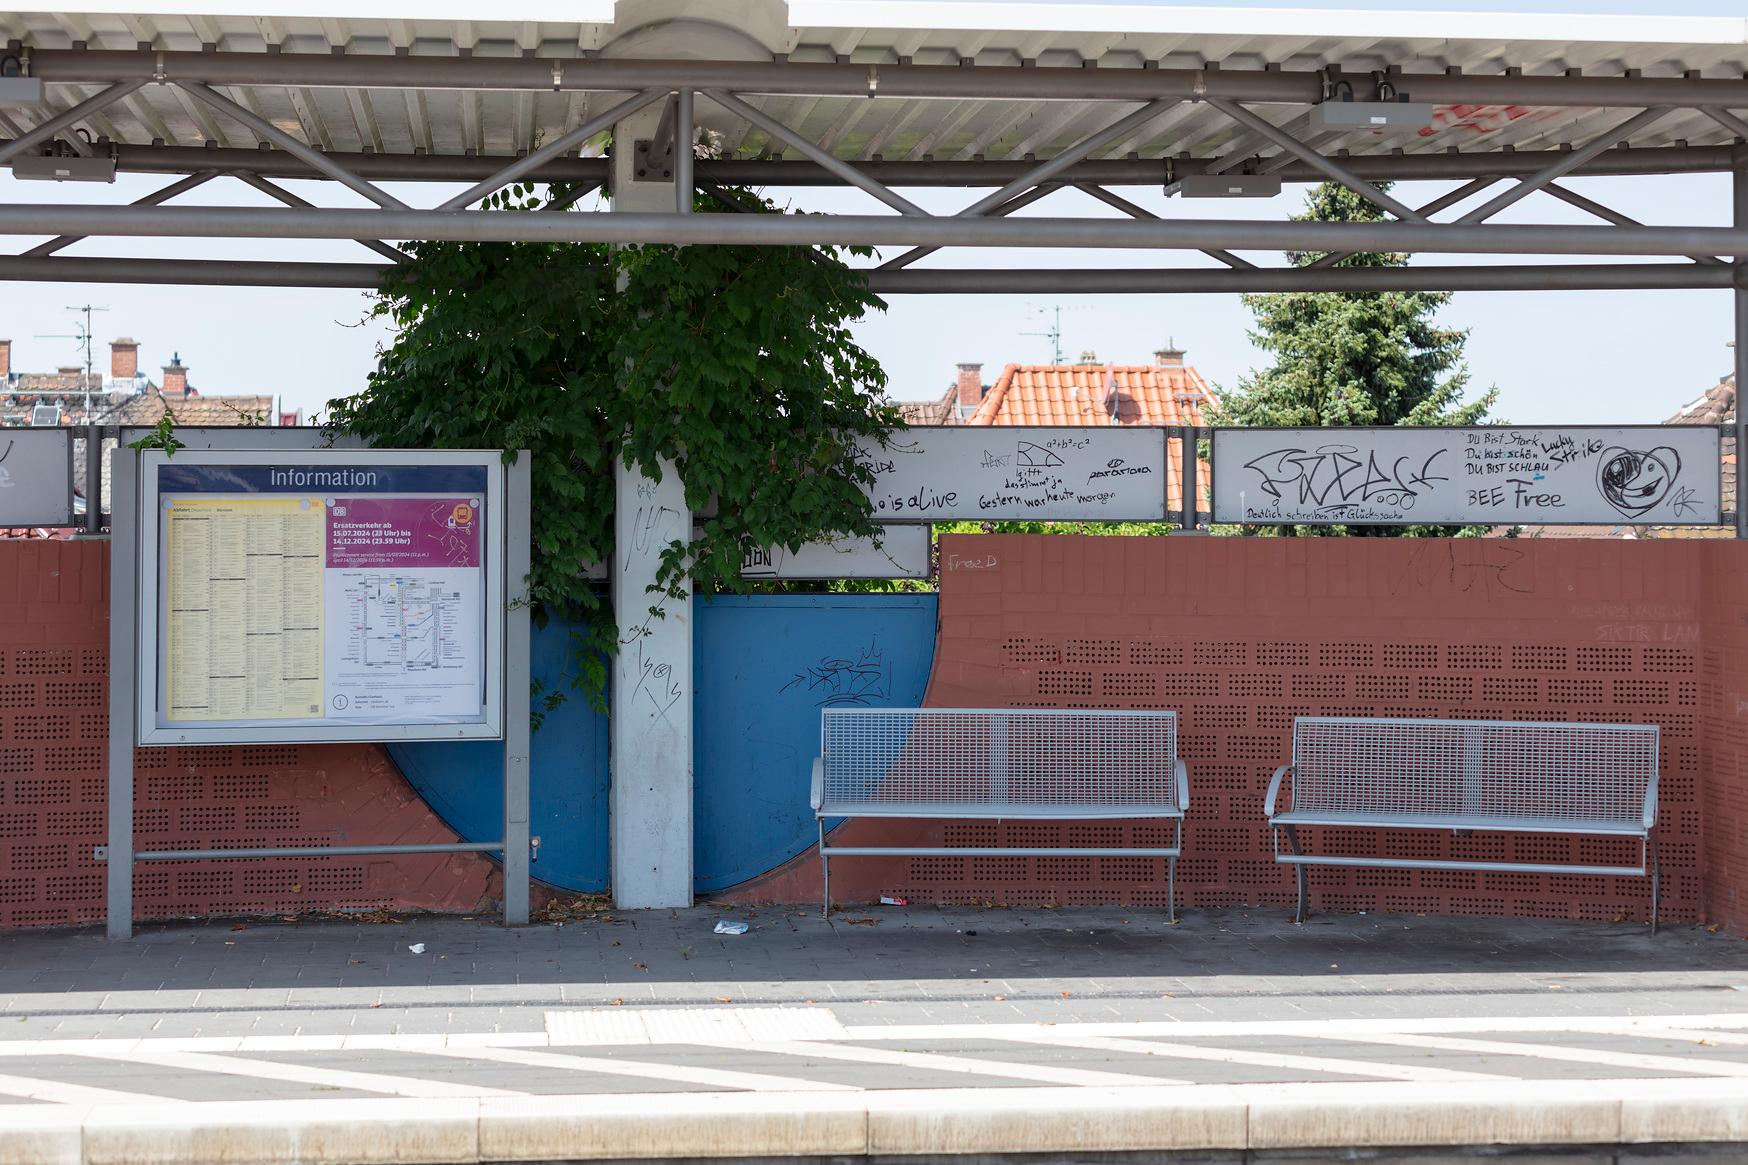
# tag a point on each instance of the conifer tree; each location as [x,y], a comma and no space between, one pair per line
[1342,358]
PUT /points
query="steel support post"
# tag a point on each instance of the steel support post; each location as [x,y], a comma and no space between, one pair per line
[1739,200]
[54,125]
[650,802]
[518,686]
[812,151]
[312,157]
[123,594]
[93,479]
[685,130]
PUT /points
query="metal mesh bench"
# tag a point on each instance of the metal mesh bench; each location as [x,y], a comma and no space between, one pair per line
[1000,764]
[1594,780]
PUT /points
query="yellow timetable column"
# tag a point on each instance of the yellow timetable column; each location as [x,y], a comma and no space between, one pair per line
[245,582]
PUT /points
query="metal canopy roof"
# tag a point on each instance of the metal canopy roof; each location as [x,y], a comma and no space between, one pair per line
[456,119]
[877,94]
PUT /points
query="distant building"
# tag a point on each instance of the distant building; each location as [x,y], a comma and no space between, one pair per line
[1165,392]
[1715,406]
[126,396]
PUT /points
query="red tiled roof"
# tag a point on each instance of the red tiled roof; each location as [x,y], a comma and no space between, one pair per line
[1084,394]
[1105,394]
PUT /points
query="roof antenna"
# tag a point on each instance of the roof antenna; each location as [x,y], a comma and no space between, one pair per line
[1054,335]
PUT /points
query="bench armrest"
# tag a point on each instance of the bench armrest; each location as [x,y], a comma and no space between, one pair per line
[818,796]
[1651,802]
[1183,785]
[1268,806]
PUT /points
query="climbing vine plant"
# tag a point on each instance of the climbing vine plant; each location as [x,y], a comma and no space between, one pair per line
[735,365]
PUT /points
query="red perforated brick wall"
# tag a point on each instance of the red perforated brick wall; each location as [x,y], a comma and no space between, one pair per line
[1240,635]
[1723,804]
[53,780]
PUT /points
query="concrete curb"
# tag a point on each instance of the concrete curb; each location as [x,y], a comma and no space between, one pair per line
[937,1122]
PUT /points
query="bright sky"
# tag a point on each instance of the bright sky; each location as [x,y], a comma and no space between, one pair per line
[1568,356]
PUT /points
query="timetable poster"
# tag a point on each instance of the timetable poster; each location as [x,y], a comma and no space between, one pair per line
[322,594]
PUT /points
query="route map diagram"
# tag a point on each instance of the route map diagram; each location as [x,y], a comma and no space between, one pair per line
[403,624]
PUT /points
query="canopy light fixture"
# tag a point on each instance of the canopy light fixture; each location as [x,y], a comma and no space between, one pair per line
[20,90]
[1346,116]
[1229,186]
[69,168]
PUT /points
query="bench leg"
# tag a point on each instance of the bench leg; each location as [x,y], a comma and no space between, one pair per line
[1656,883]
[1171,889]
[1298,870]
[825,872]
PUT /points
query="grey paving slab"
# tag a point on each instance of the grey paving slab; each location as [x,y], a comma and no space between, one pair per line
[1130,1064]
[1525,1066]
[171,1083]
[479,1073]
[1699,1053]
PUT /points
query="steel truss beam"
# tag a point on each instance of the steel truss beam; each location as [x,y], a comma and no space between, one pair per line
[865,230]
[314,158]
[1567,277]
[1606,213]
[860,79]
[1330,168]
[837,167]
[45,132]
[795,172]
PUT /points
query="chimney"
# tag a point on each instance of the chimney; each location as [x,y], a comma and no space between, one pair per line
[5,360]
[970,388]
[124,358]
[1088,357]
[1170,356]
[176,376]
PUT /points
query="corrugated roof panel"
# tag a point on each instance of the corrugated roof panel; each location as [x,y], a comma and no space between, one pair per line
[1108,36]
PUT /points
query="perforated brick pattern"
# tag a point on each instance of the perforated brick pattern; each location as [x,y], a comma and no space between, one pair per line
[1245,633]
[53,785]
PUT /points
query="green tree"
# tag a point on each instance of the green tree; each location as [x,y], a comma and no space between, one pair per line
[1354,359]
[736,364]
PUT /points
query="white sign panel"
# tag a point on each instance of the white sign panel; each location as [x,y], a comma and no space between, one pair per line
[36,477]
[903,552]
[320,595]
[961,472]
[1644,475]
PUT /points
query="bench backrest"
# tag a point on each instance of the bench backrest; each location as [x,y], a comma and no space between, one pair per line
[1597,772]
[1075,758]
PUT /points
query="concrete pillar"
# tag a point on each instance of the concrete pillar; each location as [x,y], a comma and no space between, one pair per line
[651,802]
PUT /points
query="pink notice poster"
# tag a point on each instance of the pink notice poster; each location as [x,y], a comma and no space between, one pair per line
[403,533]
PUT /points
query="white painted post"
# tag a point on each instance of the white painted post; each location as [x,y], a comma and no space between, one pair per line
[651,802]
